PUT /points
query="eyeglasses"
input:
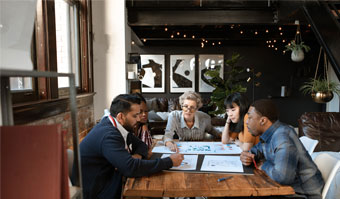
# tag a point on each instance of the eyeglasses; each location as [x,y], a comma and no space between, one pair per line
[190,108]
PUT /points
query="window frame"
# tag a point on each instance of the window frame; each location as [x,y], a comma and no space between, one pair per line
[45,55]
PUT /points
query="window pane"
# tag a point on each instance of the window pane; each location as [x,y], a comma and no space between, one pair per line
[67,44]
[21,83]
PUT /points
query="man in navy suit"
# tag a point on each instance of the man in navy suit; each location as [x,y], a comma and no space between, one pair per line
[110,152]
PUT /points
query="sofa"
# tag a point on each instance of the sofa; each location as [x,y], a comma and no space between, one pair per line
[324,127]
[321,126]
[159,109]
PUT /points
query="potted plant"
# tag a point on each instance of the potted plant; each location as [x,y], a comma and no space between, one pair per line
[229,84]
[321,90]
[297,50]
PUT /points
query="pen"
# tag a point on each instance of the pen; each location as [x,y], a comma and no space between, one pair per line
[254,161]
[226,178]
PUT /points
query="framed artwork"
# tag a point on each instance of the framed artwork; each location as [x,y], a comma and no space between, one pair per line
[182,73]
[152,73]
[208,62]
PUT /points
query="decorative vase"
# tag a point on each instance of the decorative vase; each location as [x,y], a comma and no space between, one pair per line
[297,55]
[322,97]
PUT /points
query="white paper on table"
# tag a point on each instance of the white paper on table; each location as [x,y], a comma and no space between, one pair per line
[189,162]
[200,148]
[222,163]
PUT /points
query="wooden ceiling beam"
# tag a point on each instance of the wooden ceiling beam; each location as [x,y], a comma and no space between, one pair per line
[198,17]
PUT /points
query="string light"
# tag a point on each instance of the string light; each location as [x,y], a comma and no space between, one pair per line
[309,25]
[272,46]
[232,26]
[298,32]
[267,31]
[184,35]
[144,40]
[241,32]
[284,52]
[283,41]
[255,32]
[178,33]
[275,48]
[270,41]
[274,41]
[132,42]
[193,36]
[172,36]
[206,41]
[280,28]
[219,43]
[268,46]
[281,33]
[213,44]
[165,29]
[202,44]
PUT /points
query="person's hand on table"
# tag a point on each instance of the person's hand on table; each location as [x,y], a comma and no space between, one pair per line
[176,159]
[246,158]
[172,146]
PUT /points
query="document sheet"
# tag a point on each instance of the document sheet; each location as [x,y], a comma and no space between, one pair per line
[199,148]
[222,163]
[189,162]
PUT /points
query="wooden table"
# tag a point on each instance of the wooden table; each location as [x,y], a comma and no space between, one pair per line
[184,184]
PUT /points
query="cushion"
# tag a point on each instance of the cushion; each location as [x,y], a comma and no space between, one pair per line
[153,116]
[163,115]
[152,104]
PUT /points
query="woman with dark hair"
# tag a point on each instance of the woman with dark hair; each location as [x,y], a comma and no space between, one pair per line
[142,129]
[237,106]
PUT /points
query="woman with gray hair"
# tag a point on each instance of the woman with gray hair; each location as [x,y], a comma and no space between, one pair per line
[189,123]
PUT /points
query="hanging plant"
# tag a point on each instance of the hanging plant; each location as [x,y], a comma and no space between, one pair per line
[297,46]
[321,89]
[297,50]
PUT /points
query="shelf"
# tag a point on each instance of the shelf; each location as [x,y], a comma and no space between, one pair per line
[7,111]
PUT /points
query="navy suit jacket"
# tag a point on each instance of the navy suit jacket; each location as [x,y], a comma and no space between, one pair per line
[104,160]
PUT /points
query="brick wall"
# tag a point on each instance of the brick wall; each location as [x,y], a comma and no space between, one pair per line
[85,118]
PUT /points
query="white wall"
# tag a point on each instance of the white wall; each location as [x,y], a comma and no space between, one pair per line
[333,105]
[109,52]
[16,29]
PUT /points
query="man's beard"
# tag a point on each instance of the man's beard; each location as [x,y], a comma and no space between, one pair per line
[128,127]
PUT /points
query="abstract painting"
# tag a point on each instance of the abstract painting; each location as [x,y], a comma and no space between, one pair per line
[182,73]
[152,73]
[208,62]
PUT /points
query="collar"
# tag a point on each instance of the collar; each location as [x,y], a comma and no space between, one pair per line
[120,128]
[184,125]
[267,135]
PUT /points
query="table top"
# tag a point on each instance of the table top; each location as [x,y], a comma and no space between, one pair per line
[184,184]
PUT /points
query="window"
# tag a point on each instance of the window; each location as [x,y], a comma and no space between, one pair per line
[66,22]
[61,43]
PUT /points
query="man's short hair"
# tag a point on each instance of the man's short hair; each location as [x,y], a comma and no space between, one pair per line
[122,104]
[267,108]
